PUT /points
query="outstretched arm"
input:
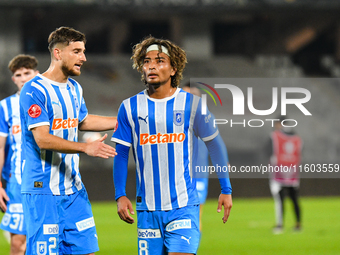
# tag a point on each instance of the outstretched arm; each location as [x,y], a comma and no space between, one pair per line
[47,141]
[219,157]
[120,171]
[98,123]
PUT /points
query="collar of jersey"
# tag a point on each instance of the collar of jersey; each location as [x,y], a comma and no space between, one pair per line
[53,82]
[162,99]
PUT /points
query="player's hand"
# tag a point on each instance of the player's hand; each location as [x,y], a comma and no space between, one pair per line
[3,199]
[227,203]
[124,209]
[98,148]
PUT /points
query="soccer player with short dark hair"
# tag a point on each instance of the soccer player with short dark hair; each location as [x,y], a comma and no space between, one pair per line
[52,109]
[23,68]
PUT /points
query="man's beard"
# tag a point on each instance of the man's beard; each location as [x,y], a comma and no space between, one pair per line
[69,72]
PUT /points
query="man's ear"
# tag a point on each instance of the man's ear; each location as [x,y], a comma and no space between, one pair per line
[56,53]
[173,71]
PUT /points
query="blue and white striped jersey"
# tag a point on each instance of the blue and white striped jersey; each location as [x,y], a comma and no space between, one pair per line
[162,133]
[10,127]
[60,106]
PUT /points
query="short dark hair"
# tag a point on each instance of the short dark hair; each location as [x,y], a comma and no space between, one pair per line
[178,57]
[21,61]
[65,35]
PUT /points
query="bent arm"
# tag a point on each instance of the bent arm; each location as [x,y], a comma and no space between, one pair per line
[98,123]
[47,141]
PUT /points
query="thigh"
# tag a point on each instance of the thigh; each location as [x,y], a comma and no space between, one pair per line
[79,234]
[150,233]
[182,233]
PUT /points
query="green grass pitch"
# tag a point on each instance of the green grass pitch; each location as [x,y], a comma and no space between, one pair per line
[248,230]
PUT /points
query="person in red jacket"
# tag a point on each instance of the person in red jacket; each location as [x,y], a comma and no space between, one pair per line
[285,148]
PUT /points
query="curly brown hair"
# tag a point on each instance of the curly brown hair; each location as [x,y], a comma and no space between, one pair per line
[20,61]
[178,57]
[65,35]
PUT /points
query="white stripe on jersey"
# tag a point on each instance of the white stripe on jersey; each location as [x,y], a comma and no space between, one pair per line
[181,188]
[16,157]
[142,110]
[4,107]
[163,165]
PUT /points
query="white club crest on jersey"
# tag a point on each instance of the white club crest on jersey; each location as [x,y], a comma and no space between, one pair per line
[178,117]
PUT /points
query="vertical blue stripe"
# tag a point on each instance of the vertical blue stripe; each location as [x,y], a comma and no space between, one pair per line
[171,153]
[154,153]
[74,188]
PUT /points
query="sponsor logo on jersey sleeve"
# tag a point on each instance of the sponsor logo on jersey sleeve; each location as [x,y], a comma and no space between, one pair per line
[34,111]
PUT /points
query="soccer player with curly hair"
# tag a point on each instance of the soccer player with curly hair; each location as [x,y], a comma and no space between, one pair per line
[162,125]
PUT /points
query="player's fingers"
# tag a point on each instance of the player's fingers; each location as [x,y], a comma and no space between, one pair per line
[3,195]
[102,138]
[3,205]
[108,149]
[106,152]
[226,214]
[130,208]
[127,217]
[219,206]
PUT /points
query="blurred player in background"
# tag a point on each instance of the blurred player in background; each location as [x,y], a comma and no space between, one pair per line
[57,210]
[285,149]
[23,68]
[202,181]
[162,124]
